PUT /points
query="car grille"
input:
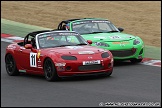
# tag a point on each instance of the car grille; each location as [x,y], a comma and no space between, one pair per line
[90,67]
[122,53]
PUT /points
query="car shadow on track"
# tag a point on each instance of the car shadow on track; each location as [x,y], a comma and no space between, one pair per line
[83,78]
[124,63]
[31,76]
[66,79]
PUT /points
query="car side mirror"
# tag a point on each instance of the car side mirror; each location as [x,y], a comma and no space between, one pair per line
[28,46]
[120,29]
[89,41]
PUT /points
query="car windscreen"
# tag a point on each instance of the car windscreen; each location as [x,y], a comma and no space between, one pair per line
[60,39]
[93,26]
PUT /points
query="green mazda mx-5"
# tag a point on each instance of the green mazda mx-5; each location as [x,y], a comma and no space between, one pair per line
[104,34]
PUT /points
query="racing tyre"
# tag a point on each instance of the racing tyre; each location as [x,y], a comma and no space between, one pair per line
[11,65]
[50,72]
[136,60]
[108,74]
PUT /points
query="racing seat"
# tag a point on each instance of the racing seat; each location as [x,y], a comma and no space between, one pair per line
[33,42]
[64,27]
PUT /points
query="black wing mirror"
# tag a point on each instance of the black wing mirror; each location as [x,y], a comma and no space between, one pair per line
[120,29]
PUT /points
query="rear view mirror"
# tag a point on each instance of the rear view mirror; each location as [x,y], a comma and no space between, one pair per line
[120,29]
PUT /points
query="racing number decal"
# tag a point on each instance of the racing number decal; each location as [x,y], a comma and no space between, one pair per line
[33,59]
[115,37]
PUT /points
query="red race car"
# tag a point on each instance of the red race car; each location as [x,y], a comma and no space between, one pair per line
[56,54]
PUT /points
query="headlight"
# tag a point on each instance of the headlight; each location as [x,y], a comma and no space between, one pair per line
[69,57]
[105,55]
[101,44]
[136,41]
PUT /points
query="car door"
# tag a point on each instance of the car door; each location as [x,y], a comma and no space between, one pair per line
[22,56]
[27,57]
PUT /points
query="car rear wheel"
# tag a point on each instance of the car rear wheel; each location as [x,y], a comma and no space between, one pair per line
[50,71]
[136,60]
[11,65]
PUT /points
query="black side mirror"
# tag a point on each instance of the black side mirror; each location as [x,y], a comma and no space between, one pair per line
[120,29]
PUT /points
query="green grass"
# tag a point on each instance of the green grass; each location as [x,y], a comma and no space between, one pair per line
[18,29]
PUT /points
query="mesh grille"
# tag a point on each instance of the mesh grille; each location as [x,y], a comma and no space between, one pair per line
[122,53]
[90,67]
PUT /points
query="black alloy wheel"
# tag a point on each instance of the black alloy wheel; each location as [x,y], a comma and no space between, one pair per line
[11,65]
[50,71]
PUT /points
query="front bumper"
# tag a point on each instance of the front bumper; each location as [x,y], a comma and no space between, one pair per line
[75,68]
[137,53]
[87,73]
[125,52]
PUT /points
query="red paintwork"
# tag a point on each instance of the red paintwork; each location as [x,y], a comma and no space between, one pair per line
[89,41]
[22,58]
[5,35]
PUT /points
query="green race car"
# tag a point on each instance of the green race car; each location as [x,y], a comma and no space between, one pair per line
[104,34]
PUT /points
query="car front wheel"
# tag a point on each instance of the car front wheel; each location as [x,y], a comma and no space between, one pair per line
[108,74]
[136,60]
[50,71]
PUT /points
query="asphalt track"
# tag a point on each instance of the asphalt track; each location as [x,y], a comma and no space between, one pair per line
[128,83]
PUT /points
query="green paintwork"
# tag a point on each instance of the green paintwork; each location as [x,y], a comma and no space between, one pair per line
[115,44]
[117,41]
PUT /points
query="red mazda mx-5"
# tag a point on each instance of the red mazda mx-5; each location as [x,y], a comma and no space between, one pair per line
[55,54]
